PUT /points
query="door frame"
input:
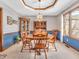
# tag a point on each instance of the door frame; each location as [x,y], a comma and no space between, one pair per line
[1,31]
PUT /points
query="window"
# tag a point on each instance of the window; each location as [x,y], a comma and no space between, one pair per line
[66,24]
[71,24]
[75,24]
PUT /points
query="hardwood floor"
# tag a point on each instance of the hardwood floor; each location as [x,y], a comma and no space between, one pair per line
[63,52]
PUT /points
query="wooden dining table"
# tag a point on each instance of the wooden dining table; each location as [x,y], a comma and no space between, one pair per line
[31,37]
[38,42]
[39,38]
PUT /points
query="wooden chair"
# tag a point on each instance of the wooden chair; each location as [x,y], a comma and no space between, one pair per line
[41,34]
[40,43]
[53,39]
[25,42]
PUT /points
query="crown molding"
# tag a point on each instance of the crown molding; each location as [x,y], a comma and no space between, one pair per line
[4,5]
[70,8]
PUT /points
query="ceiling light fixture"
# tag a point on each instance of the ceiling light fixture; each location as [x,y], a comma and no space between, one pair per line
[39,16]
[45,4]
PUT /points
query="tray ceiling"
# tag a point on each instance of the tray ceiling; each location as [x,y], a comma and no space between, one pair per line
[21,9]
[39,4]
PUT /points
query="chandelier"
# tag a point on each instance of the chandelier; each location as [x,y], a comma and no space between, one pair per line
[34,4]
[39,17]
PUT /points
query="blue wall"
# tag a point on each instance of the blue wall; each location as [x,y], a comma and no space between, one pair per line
[72,42]
[9,39]
[59,35]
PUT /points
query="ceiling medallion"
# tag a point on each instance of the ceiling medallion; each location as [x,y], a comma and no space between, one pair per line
[34,4]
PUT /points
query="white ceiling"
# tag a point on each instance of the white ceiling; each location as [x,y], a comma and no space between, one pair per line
[60,6]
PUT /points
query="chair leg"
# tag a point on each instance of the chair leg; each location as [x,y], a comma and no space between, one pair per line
[45,54]
[22,47]
[35,55]
[48,47]
[55,47]
[29,47]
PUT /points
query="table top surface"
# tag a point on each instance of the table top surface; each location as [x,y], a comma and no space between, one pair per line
[34,37]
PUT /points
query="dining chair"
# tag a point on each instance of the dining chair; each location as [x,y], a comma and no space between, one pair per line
[53,39]
[40,45]
[41,35]
[25,42]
